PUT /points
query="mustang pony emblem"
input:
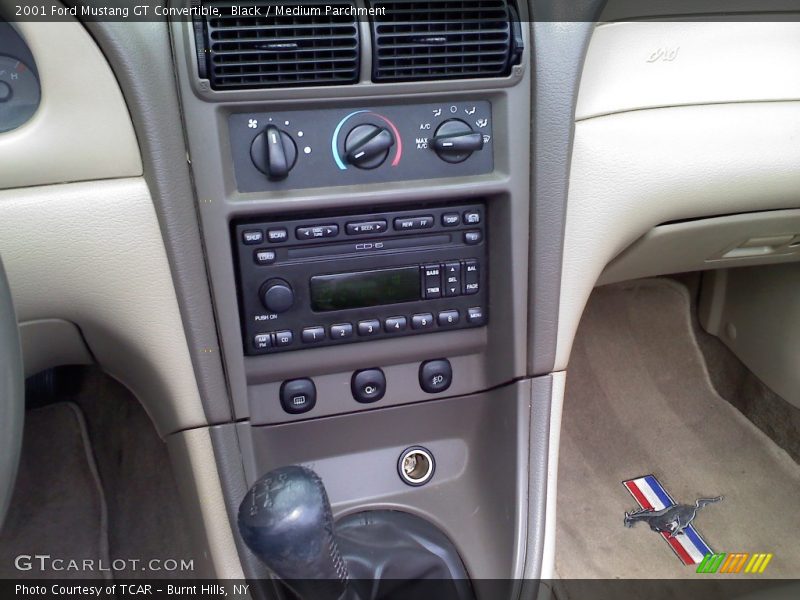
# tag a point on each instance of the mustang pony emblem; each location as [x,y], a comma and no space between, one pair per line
[672,520]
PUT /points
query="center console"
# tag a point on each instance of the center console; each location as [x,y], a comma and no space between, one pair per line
[367,240]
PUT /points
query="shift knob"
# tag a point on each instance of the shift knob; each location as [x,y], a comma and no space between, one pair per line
[287,522]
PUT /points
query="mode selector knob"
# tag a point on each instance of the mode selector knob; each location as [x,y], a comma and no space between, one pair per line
[455,141]
[274,153]
[277,295]
[367,146]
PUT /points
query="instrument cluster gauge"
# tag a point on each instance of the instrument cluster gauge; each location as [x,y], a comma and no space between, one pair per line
[19,93]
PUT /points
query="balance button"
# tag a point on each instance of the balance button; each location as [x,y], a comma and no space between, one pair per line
[368,385]
[264,257]
[432,281]
[366,227]
[341,331]
[452,279]
[472,217]
[472,277]
[473,237]
[284,338]
[367,328]
[451,219]
[475,316]
[252,236]
[312,335]
[262,341]
[435,376]
[448,318]
[298,396]
[395,324]
[424,321]
[276,236]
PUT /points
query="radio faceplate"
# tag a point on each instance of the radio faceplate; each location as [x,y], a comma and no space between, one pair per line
[322,281]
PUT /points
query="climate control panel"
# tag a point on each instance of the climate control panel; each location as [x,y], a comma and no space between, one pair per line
[285,150]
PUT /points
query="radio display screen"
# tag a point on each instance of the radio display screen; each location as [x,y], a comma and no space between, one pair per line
[342,291]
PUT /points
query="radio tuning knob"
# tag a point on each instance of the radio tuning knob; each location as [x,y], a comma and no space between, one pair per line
[367,146]
[274,153]
[455,141]
[277,295]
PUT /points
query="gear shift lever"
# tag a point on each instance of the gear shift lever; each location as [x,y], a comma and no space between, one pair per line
[286,520]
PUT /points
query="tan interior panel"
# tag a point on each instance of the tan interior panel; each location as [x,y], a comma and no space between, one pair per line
[82,129]
[92,254]
[756,313]
[696,245]
[48,343]
[637,65]
[635,170]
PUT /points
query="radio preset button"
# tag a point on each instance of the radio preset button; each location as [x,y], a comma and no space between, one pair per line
[472,217]
[451,219]
[432,281]
[316,232]
[449,318]
[473,237]
[284,338]
[472,277]
[424,321]
[395,324]
[368,328]
[264,257]
[363,227]
[312,335]
[341,331]
[475,316]
[368,385]
[252,236]
[276,236]
[413,223]
[262,341]
[452,279]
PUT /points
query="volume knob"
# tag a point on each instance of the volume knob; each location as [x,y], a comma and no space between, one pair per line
[277,295]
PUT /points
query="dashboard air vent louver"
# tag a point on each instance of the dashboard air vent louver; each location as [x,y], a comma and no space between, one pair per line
[444,39]
[286,45]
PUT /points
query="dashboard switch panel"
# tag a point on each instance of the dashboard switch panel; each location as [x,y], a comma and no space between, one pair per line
[364,277]
[290,150]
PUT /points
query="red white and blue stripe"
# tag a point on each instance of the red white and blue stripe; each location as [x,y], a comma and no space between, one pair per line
[689,546]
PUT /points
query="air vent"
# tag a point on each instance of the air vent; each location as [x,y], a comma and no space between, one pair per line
[444,39]
[307,43]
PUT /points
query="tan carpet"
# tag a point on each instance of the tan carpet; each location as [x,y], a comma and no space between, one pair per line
[639,401]
[58,508]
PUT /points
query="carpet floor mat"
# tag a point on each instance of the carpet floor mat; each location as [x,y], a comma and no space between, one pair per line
[58,509]
[639,401]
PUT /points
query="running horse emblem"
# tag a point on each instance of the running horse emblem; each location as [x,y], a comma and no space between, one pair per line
[672,519]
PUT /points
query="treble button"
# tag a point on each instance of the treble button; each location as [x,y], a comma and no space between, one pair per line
[432,281]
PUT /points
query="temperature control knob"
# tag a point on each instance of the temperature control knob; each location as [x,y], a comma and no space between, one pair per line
[274,153]
[367,146]
[455,141]
[277,295]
